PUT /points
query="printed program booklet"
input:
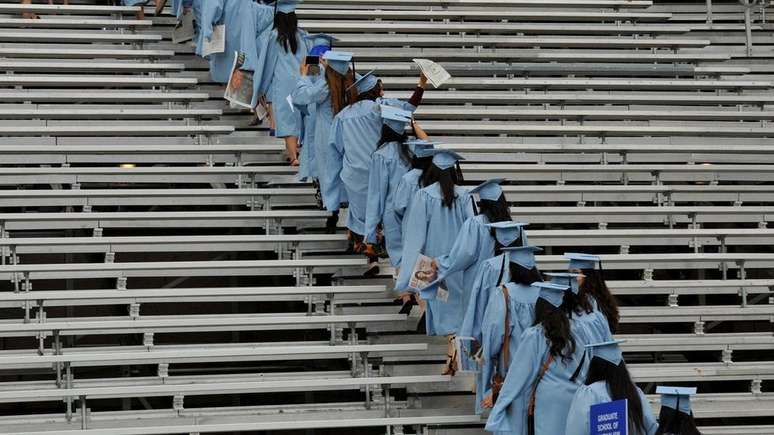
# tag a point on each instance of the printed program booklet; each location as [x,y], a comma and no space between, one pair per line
[239,89]
[184,29]
[435,73]
[216,43]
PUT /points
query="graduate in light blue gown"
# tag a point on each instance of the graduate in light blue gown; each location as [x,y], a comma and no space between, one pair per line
[491,274]
[353,138]
[410,184]
[281,52]
[609,380]
[303,97]
[544,366]
[243,21]
[676,417]
[520,308]
[327,93]
[436,215]
[476,241]
[594,294]
[390,161]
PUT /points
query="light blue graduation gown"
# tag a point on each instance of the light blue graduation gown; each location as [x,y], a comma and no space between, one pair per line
[430,230]
[521,305]
[351,142]
[315,92]
[486,279]
[304,98]
[596,393]
[474,244]
[244,19]
[554,392]
[401,203]
[280,71]
[385,173]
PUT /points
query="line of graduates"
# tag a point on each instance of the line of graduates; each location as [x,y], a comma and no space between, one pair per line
[545,348]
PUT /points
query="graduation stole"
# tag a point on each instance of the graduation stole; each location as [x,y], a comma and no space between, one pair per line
[497,379]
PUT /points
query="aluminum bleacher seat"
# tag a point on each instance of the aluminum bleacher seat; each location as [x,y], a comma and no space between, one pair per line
[629,129]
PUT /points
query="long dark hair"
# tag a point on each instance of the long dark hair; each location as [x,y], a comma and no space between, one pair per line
[372,94]
[495,211]
[556,327]
[337,85]
[672,421]
[522,275]
[620,386]
[390,135]
[287,30]
[594,286]
[446,178]
[423,164]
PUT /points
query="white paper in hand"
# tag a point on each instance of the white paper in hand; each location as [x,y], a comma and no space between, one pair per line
[289,99]
[260,112]
[184,30]
[435,73]
[216,43]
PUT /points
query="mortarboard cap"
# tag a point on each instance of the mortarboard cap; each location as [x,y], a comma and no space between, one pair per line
[678,398]
[566,278]
[321,43]
[364,83]
[338,60]
[489,190]
[416,144]
[551,293]
[286,6]
[609,351]
[506,232]
[395,118]
[524,256]
[582,261]
[445,159]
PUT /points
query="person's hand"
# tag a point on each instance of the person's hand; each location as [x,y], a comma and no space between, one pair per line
[304,69]
[488,402]
[422,80]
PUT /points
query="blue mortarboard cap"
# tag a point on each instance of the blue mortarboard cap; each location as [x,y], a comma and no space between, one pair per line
[366,82]
[507,232]
[445,159]
[489,190]
[287,6]
[417,144]
[678,398]
[582,261]
[609,351]
[338,60]
[524,256]
[551,293]
[566,278]
[395,118]
[423,151]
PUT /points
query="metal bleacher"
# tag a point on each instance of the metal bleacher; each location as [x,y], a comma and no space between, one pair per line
[162,271]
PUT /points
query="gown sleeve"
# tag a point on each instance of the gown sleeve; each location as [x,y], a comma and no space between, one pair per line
[578,416]
[332,186]
[651,424]
[413,240]
[400,203]
[309,91]
[212,13]
[517,388]
[465,250]
[493,333]
[471,322]
[264,68]
[378,185]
